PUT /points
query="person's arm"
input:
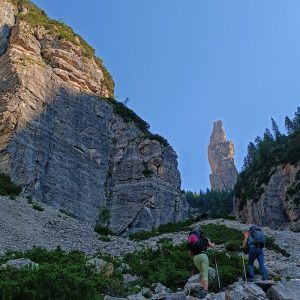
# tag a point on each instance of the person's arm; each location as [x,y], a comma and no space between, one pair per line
[211,245]
[245,240]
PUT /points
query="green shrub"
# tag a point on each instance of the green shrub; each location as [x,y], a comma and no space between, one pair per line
[36,206]
[156,137]
[233,246]
[60,275]
[128,115]
[102,230]
[175,266]
[165,228]
[271,245]
[221,234]
[29,199]
[7,187]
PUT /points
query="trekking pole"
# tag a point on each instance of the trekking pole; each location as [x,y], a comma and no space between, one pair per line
[243,258]
[217,270]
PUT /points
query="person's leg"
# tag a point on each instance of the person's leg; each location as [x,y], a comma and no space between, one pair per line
[251,259]
[204,267]
[263,270]
[197,262]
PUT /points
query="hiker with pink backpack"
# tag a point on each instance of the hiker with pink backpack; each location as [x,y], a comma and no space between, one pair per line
[197,248]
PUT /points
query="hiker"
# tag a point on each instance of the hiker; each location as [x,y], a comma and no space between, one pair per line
[253,243]
[197,248]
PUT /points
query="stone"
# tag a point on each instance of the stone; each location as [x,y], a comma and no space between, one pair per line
[285,290]
[64,143]
[169,296]
[218,296]
[129,279]
[100,266]
[194,281]
[245,291]
[136,297]
[221,160]
[160,288]
[19,263]
[113,298]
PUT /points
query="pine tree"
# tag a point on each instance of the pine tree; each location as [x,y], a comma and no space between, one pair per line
[268,136]
[296,120]
[275,129]
[289,125]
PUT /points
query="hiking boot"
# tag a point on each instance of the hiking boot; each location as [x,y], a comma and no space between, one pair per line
[200,293]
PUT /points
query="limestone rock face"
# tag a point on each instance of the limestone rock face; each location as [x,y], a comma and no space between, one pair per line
[278,206]
[66,146]
[221,160]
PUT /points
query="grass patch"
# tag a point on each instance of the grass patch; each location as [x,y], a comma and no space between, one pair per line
[221,234]
[60,275]
[7,187]
[103,230]
[166,228]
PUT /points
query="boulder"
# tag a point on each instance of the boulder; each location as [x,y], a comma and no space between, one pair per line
[100,266]
[285,290]
[19,263]
[129,279]
[245,291]
[219,296]
[170,296]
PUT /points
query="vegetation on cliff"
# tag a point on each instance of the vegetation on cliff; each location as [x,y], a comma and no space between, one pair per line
[265,154]
[129,115]
[35,17]
[7,187]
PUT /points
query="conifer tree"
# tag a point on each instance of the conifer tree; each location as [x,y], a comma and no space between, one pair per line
[275,129]
[289,125]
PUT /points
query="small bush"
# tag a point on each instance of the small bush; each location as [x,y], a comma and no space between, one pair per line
[29,199]
[102,230]
[128,115]
[156,137]
[37,207]
[271,245]
[7,187]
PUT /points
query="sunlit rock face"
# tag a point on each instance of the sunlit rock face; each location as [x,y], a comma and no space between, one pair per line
[63,142]
[221,160]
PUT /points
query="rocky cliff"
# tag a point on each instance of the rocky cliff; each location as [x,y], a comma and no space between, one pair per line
[221,160]
[278,205]
[64,142]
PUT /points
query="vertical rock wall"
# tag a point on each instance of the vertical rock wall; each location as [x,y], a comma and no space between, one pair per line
[221,160]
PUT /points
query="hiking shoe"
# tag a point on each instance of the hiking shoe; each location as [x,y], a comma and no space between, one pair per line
[201,293]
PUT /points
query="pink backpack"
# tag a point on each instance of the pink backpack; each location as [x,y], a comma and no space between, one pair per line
[192,239]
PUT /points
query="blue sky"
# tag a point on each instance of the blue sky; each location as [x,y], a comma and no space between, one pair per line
[185,64]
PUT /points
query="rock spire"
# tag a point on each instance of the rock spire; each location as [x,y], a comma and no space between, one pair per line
[221,160]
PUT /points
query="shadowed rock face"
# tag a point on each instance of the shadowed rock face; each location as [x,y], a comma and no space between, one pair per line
[278,206]
[221,160]
[66,146]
